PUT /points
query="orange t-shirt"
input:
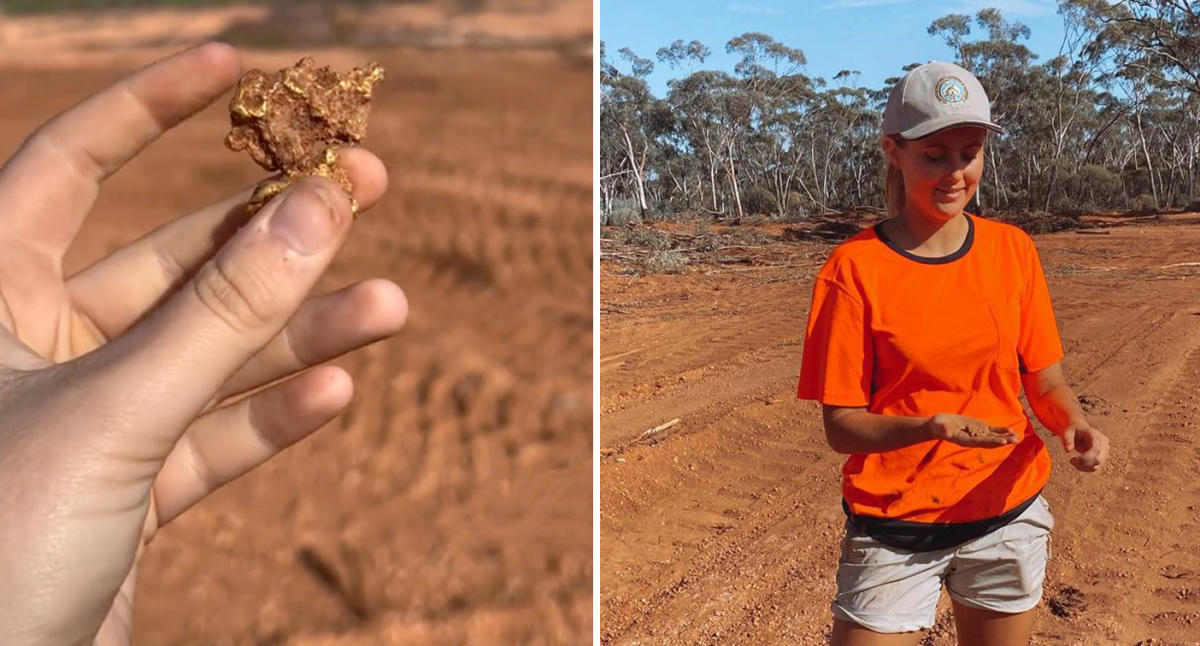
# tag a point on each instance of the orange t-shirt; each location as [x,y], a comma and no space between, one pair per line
[911,336]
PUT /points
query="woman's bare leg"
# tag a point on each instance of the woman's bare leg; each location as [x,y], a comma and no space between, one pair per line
[846,633]
[989,628]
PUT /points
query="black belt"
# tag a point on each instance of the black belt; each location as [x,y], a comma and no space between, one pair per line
[928,537]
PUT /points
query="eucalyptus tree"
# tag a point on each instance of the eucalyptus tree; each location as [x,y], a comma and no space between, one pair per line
[1002,64]
[1160,38]
[697,103]
[1109,121]
[774,93]
[631,115]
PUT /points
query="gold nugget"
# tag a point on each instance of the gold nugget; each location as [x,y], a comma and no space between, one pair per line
[294,121]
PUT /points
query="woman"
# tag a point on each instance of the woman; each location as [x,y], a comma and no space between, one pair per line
[922,332]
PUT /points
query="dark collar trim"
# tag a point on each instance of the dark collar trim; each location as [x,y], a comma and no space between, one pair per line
[941,260]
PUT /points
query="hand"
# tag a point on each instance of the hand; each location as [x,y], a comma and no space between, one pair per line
[1091,444]
[969,431]
[112,380]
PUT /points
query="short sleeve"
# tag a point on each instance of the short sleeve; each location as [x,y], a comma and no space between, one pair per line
[1038,343]
[838,354]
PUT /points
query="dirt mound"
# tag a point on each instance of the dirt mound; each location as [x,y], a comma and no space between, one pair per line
[451,504]
[1035,223]
[825,230]
[697,247]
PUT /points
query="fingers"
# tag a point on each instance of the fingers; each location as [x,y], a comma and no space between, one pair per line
[117,291]
[52,181]
[1086,463]
[323,328]
[1007,434]
[1094,451]
[969,431]
[990,440]
[978,433]
[1068,439]
[227,442]
[172,362]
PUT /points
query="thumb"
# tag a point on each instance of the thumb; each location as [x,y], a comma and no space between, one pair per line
[179,355]
[1068,439]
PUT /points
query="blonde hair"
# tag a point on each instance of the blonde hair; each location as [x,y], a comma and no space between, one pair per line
[893,188]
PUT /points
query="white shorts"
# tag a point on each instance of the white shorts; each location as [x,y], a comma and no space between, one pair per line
[889,590]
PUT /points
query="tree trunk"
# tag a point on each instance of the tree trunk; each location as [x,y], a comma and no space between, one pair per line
[606,202]
[712,172]
[1191,178]
[1146,153]
[637,172]
[737,195]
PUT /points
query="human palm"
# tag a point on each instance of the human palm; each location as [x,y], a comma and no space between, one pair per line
[121,386]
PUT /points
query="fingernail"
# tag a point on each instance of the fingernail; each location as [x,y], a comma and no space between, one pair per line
[305,221]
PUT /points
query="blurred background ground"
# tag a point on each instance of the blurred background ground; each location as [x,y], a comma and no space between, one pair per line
[451,503]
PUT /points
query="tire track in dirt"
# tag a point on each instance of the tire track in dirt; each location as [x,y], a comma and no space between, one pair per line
[739,358]
[743,495]
[697,401]
[1141,325]
[1148,585]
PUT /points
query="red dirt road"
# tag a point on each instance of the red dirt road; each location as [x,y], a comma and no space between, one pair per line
[725,530]
[451,503]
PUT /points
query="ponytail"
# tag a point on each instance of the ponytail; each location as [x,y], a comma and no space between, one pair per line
[893,188]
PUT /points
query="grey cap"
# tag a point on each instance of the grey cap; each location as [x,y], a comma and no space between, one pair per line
[933,97]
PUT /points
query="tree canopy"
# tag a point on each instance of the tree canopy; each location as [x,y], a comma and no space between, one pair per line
[1111,121]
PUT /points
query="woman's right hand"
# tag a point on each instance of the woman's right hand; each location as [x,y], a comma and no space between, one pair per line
[969,431]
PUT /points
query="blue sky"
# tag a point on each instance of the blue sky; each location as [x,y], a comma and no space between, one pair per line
[875,37]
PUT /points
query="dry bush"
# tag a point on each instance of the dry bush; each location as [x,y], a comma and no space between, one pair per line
[749,238]
[1143,203]
[1040,221]
[623,213]
[797,204]
[703,238]
[665,261]
[648,238]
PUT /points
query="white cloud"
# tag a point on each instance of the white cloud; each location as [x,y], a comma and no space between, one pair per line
[747,7]
[846,4]
[1010,7]
[1007,7]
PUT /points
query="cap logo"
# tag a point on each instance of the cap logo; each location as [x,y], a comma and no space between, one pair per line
[951,90]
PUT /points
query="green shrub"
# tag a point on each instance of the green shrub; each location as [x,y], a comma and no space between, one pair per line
[1136,181]
[757,200]
[1097,188]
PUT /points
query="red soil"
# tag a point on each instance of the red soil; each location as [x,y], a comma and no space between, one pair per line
[725,530]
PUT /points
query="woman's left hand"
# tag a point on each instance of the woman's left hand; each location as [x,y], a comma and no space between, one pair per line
[1091,444]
